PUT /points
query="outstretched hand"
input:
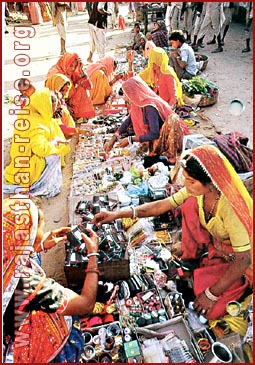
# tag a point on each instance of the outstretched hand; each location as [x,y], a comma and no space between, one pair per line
[131,55]
[123,143]
[103,217]
[56,236]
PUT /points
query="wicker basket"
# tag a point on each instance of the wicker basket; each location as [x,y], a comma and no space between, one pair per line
[205,101]
[204,58]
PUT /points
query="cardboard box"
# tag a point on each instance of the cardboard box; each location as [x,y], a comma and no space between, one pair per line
[180,328]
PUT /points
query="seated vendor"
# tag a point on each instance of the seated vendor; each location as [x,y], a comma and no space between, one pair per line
[101,74]
[182,59]
[217,228]
[153,121]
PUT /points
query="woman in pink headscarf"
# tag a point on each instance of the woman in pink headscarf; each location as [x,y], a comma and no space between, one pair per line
[79,102]
[153,121]
[101,75]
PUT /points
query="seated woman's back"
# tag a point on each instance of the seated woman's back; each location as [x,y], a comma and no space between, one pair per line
[101,75]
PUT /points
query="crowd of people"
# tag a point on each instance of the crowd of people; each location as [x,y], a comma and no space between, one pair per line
[217,224]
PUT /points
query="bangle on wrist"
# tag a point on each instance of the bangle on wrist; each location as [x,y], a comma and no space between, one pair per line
[134,212]
[93,254]
[130,141]
[42,246]
[94,271]
[210,295]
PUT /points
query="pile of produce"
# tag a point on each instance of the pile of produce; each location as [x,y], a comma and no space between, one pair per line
[199,85]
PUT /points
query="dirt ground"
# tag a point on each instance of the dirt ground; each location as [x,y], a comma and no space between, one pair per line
[231,71]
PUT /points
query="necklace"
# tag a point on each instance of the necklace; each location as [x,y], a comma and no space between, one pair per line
[209,216]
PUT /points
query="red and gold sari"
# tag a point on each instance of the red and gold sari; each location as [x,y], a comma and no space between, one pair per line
[40,335]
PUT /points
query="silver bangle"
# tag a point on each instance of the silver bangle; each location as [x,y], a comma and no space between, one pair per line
[134,215]
[130,141]
[210,296]
[93,254]
[42,246]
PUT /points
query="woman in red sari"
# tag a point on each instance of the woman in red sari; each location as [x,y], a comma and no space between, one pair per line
[36,309]
[79,102]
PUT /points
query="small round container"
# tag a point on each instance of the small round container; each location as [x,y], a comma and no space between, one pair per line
[89,352]
[87,338]
[113,330]
[109,343]
[233,308]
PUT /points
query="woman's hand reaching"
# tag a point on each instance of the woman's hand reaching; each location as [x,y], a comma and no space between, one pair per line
[103,217]
[123,143]
[52,238]
[109,144]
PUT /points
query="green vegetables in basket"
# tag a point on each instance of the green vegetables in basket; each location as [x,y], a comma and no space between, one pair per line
[198,85]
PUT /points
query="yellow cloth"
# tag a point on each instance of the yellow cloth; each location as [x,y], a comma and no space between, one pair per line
[225,226]
[236,324]
[66,118]
[159,57]
[101,88]
[55,83]
[31,141]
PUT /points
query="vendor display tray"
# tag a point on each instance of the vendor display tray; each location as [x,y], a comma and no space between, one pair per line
[180,328]
[109,271]
[103,343]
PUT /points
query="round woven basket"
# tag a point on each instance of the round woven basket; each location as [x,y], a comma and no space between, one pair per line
[201,57]
[205,101]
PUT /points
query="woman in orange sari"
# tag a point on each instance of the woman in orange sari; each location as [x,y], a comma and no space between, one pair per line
[79,102]
[36,309]
[101,75]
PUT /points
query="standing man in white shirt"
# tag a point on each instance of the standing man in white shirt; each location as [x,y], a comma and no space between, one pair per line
[97,29]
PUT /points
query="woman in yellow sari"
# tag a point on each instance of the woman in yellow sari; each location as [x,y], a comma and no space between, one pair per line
[61,84]
[38,149]
[36,309]
[160,76]
[217,228]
